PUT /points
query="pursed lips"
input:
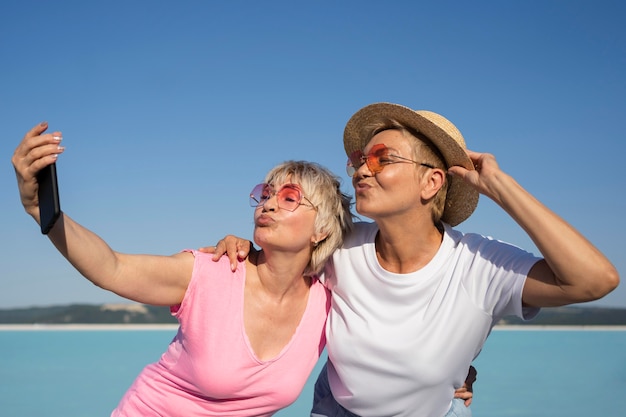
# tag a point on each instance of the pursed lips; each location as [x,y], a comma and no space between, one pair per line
[264,220]
[361,186]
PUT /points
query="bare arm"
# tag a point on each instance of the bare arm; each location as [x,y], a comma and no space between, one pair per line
[149,279]
[158,280]
[573,270]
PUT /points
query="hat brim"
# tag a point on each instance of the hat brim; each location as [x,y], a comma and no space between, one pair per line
[461,199]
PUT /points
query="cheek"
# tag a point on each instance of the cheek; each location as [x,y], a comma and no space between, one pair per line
[395,179]
[410,176]
[304,227]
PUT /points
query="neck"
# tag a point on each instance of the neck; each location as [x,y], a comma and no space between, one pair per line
[281,274]
[403,247]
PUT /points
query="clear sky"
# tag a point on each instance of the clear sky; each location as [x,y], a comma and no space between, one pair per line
[172,111]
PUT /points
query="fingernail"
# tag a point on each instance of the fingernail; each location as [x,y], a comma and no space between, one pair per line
[57,138]
[43,124]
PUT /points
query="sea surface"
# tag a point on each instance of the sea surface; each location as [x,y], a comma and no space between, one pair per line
[529,373]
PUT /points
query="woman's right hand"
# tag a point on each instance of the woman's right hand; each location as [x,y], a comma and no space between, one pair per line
[37,150]
[234,247]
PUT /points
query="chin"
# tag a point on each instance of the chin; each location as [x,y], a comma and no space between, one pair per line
[257,237]
[362,208]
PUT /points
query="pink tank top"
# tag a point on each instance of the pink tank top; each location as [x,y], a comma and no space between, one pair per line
[210,369]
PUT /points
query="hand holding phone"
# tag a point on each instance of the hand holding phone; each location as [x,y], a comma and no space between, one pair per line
[48,194]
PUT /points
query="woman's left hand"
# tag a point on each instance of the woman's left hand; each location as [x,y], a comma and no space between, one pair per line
[464,394]
[484,176]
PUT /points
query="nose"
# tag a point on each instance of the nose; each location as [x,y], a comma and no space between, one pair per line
[363,170]
[271,204]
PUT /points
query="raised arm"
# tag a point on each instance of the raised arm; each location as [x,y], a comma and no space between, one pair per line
[158,280]
[573,270]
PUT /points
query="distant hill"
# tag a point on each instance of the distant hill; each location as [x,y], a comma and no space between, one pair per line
[574,316]
[144,314]
[88,314]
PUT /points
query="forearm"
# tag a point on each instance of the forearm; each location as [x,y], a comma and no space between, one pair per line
[580,271]
[86,251]
[149,279]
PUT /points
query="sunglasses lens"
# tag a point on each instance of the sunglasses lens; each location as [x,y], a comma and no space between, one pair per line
[354,162]
[289,198]
[374,159]
[356,159]
[377,154]
[350,169]
[373,163]
[259,194]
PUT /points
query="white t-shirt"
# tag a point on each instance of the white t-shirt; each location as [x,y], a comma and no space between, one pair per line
[400,344]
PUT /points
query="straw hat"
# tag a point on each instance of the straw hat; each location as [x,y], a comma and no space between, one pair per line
[462,199]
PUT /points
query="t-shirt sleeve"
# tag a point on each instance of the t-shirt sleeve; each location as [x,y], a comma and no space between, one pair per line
[327,276]
[498,271]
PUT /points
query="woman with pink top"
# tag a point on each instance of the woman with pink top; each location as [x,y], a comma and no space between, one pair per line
[249,338]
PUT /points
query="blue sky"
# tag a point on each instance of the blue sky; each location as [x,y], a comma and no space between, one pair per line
[172,111]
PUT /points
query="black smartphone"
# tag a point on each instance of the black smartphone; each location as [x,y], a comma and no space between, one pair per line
[49,204]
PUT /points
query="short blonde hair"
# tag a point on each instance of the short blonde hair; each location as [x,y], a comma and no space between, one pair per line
[423,151]
[323,189]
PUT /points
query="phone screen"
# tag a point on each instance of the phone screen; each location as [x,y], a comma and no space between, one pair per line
[49,204]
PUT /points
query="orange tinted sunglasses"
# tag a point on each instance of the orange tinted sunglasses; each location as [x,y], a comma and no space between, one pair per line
[376,160]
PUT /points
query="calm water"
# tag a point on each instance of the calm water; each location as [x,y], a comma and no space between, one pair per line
[529,373]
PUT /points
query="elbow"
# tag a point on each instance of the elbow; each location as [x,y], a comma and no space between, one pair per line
[612,281]
[604,284]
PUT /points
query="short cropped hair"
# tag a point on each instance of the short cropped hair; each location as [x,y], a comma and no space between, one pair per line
[323,189]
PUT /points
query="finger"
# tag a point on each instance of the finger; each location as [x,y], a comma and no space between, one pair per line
[219,250]
[457,171]
[475,157]
[473,154]
[207,249]
[463,393]
[35,137]
[245,248]
[45,154]
[232,250]
[37,151]
[28,167]
[468,402]
[37,129]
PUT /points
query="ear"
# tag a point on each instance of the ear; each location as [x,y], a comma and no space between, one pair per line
[432,182]
[318,237]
